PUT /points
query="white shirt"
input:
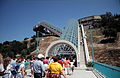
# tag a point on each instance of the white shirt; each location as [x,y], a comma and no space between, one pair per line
[1,67]
[20,68]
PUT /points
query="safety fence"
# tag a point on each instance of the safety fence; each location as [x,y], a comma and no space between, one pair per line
[107,70]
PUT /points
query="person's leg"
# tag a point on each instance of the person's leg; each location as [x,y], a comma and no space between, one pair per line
[37,75]
[55,75]
[65,70]
[68,70]
[73,69]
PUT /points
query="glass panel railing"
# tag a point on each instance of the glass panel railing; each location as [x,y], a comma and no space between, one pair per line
[107,70]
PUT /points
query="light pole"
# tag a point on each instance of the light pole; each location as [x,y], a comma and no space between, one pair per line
[37,43]
[36,29]
[39,33]
[91,42]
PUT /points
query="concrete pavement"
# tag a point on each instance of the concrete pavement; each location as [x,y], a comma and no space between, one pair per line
[82,73]
[78,73]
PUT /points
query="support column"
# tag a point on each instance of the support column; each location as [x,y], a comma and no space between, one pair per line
[78,53]
[85,45]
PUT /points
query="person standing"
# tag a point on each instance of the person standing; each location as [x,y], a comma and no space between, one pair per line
[38,67]
[20,67]
[67,66]
[46,62]
[55,69]
[7,70]
[1,64]
[72,66]
[60,61]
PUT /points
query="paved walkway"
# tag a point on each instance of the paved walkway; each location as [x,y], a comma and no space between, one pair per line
[78,73]
[82,73]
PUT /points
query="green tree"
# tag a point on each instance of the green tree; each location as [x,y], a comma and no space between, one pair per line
[24,52]
[26,38]
[110,25]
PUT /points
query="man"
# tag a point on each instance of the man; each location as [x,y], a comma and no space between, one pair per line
[38,66]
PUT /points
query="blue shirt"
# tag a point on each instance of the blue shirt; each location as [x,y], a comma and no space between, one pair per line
[38,66]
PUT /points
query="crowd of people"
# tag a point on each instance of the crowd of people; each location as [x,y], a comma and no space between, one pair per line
[39,67]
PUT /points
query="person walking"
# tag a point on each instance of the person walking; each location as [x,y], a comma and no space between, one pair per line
[7,67]
[60,61]
[38,67]
[55,69]
[20,67]
[67,66]
[1,66]
[46,62]
[72,66]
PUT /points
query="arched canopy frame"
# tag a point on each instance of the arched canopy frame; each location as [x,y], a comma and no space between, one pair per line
[58,46]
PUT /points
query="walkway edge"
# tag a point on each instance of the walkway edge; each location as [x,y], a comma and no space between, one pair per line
[98,74]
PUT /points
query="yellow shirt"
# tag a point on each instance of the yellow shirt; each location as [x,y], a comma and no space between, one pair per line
[55,67]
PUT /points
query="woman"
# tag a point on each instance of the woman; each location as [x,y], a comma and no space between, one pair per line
[55,69]
[1,64]
[7,67]
[21,69]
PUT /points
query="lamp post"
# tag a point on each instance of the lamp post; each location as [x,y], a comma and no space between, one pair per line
[37,43]
[36,29]
[38,32]
[91,42]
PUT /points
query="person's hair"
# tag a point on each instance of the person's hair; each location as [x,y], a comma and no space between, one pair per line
[41,58]
[67,58]
[55,58]
[33,58]
[38,58]
[1,58]
[6,62]
[47,57]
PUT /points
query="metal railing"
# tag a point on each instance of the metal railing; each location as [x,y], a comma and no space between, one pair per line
[107,70]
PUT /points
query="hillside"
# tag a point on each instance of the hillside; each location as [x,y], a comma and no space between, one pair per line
[43,44]
[108,53]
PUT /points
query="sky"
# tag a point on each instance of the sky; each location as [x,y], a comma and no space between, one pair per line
[18,17]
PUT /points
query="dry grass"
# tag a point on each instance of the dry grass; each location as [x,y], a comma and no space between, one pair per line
[108,53]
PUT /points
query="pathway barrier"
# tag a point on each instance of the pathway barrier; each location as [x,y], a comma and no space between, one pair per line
[107,70]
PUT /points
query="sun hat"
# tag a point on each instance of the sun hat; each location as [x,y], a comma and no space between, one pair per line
[40,56]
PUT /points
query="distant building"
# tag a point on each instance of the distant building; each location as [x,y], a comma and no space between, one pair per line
[46,29]
[90,20]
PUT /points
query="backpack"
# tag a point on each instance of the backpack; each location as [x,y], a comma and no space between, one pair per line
[15,68]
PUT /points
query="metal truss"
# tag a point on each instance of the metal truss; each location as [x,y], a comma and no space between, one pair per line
[46,29]
[70,33]
[61,49]
[51,28]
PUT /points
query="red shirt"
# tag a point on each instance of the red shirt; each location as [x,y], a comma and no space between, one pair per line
[66,63]
[60,61]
